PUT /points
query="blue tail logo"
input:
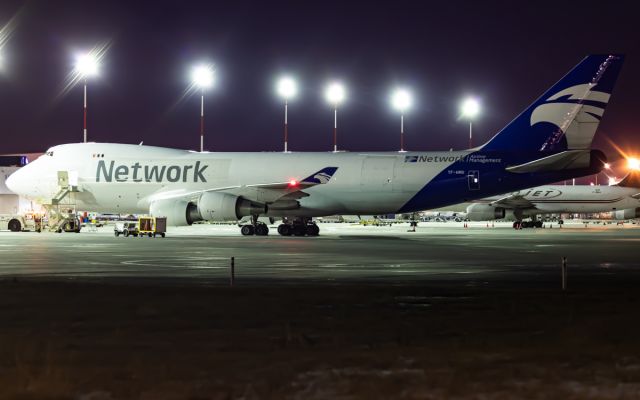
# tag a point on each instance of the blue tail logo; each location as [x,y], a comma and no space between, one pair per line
[567,116]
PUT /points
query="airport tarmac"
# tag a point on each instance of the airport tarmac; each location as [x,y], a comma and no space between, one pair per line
[359,312]
[342,252]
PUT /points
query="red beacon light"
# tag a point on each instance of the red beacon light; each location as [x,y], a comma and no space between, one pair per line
[293,183]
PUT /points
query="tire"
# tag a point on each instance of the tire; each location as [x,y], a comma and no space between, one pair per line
[116,233]
[313,230]
[247,230]
[299,230]
[262,230]
[125,233]
[151,235]
[284,230]
[538,224]
[162,234]
[15,225]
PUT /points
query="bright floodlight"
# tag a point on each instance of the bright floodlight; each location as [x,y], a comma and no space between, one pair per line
[634,163]
[612,181]
[87,65]
[202,76]
[401,100]
[287,87]
[470,108]
[335,93]
[607,165]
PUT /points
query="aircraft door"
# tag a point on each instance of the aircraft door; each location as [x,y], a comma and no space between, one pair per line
[473,179]
[377,173]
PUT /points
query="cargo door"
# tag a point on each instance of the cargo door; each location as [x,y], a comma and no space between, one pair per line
[377,173]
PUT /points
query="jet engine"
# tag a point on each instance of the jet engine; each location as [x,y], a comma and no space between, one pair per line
[178,212]
[629,213]
[213,206]
[210,206]
[484,212]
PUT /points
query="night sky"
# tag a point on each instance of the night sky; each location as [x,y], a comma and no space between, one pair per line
[504,52]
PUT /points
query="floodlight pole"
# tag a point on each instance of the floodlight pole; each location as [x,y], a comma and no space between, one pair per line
[402,132]
[335,128]
[201,120]
[470,134]
[286,125]
[84,119]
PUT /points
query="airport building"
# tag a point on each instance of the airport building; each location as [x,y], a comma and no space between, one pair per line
[11,203]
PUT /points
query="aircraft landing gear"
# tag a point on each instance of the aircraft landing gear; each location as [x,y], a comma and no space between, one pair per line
[299,227]
[256,228]
[527,224]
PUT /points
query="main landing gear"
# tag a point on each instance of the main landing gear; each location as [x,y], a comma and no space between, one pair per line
[255,228]
[298,227]
[527,224]
[290,227]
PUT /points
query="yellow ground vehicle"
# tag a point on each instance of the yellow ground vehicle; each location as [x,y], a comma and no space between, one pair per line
[152,226]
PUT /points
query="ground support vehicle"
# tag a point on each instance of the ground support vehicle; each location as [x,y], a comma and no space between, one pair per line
[125,228]
[152,226]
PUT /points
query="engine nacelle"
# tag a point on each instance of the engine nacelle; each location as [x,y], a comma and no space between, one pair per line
[629,213]
[210,207]
[214,206]
[484,212]
[178,212]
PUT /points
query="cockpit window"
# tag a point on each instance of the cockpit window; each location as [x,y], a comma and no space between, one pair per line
[49,153]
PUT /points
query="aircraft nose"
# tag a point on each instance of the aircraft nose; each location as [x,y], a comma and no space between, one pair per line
[13,182]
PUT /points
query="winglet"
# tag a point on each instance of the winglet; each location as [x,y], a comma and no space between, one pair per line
[321,177]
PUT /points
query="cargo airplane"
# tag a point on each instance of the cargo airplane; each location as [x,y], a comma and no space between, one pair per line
[622,199]
[548,142]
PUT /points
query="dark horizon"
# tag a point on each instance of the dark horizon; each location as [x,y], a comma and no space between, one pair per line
[505,55]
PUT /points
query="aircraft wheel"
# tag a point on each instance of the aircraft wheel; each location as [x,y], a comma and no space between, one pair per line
[299,230]
[262,230]
[284,230]
[313,230]
[246,230]
[15,225]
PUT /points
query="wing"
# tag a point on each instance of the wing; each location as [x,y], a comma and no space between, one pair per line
[514,200]
[260,192]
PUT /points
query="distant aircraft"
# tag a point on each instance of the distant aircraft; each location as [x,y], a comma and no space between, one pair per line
[548,142]
[623,199]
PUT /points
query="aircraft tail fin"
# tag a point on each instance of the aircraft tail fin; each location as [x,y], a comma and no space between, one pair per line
[631,180]
[567,115]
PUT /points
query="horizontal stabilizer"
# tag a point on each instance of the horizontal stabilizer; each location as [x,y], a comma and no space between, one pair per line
[571,159]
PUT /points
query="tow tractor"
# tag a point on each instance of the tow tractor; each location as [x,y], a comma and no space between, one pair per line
[21,222]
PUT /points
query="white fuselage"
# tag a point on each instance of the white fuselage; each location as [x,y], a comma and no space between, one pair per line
[125,178]
[556,199]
